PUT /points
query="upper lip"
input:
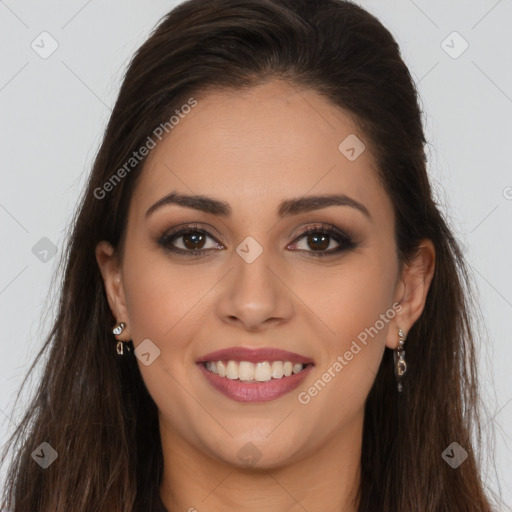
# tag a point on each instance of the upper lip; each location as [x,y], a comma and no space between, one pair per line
[254,355]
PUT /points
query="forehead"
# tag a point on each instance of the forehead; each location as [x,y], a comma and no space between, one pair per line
[255,147]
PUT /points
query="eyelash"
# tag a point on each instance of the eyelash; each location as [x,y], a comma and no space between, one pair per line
[345,240]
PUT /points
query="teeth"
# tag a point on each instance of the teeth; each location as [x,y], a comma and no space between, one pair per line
[245,370]
[256,372]
[277,369]
[232,370]
[296,368]
[263,371]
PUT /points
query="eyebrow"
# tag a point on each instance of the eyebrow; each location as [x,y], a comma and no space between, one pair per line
[286,208]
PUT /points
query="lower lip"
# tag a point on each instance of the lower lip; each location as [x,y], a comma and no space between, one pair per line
[242,391]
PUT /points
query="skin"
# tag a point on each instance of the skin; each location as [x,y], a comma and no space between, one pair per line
[253,150]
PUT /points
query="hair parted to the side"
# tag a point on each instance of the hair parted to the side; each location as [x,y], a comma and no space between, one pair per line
[92,407]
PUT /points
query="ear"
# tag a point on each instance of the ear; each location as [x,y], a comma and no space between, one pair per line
[411,290]
[113,281]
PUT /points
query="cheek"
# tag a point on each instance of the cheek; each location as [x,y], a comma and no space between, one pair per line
[353,310]
[346,299]
[165,304]
[160,295]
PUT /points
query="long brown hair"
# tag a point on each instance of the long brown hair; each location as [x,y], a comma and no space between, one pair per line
[93,408]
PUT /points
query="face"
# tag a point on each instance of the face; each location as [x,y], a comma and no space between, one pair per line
[202,277]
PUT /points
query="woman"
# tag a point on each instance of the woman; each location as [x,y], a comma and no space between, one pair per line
[263,307]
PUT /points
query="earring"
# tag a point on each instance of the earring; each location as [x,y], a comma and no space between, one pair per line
[400,364]
[117,330]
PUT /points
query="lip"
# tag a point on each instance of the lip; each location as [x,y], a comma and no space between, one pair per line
[255,355]
[253,392]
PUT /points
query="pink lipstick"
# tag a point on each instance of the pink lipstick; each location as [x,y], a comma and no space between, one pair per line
[266,375]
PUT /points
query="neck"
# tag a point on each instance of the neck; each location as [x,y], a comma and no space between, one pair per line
[326,479]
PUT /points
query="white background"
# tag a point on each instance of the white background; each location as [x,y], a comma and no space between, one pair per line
[54,111]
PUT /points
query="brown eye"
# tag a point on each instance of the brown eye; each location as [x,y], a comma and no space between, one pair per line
[318,241]
[190,241]
[194,240]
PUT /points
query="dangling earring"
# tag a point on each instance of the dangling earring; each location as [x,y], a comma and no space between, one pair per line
[117,330]
[400,364]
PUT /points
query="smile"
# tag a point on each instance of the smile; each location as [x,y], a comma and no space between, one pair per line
[247,371]
[247,374]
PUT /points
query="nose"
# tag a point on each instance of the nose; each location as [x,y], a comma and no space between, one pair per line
[255,295]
